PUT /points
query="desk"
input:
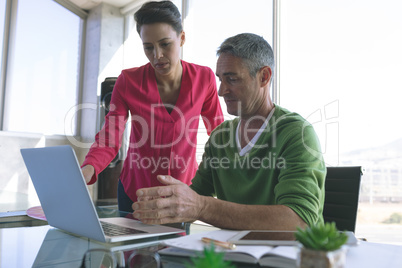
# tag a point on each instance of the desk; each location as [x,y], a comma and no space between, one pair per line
[45,246]
[40,245]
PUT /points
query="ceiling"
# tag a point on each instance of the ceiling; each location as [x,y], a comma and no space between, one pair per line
[88,4]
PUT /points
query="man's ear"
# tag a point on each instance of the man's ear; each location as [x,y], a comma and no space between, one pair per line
[265,75]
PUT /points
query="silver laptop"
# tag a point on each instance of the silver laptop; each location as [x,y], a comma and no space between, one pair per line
[65,200]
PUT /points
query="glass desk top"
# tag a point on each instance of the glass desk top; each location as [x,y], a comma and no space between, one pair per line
[33,243]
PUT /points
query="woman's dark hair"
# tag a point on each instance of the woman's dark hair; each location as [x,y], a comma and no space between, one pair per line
[162,12]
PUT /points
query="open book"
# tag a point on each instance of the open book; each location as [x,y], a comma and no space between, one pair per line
[191,246]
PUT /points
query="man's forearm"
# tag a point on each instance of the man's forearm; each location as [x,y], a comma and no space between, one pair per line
[230,215]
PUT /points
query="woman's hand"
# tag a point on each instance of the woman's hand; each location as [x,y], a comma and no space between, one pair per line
[175,202]
[88,171]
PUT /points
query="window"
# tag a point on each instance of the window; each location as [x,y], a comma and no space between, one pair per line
[208,23]
[340,68]
[43,70]
[206,28]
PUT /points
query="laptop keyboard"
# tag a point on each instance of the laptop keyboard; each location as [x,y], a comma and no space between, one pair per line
[115,230]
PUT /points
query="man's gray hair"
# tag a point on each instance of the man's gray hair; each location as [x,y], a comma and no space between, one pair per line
[253,49]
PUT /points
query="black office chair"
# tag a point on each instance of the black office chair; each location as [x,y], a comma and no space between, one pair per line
[342,186]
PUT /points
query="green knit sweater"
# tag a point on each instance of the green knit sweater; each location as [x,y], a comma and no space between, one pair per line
[285,167]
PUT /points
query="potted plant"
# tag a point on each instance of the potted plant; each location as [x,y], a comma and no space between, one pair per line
[209,259]
[322,246]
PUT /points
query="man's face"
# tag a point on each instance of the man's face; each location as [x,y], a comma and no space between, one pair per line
[241,92]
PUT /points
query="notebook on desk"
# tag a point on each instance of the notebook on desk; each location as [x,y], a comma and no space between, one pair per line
[64,197]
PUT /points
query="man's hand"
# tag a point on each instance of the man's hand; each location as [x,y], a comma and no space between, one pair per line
[88,171]
[175,202]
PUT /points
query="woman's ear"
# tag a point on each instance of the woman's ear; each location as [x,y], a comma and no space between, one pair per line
[182,38]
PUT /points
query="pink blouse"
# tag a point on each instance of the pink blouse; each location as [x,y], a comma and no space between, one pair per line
[160,143]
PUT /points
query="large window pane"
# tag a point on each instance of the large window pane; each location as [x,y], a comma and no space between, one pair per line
[340,68]
[209,23]
[42,82]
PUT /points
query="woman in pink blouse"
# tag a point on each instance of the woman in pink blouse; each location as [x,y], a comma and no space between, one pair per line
[165,99]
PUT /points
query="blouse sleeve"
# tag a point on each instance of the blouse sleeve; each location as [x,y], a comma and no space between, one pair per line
[109,138]
[211,110]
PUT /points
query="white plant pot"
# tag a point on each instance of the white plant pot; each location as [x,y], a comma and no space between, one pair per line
[309,258]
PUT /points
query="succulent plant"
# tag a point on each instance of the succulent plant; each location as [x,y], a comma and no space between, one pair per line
[325,237]
[209,259]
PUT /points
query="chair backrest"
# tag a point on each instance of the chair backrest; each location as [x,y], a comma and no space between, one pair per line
[342,187]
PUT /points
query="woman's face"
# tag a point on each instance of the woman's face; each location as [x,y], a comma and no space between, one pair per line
[162,46]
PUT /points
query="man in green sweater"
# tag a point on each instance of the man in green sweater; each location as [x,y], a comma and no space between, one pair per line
[262,170]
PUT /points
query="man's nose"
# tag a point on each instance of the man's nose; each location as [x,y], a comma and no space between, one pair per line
[223,89]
